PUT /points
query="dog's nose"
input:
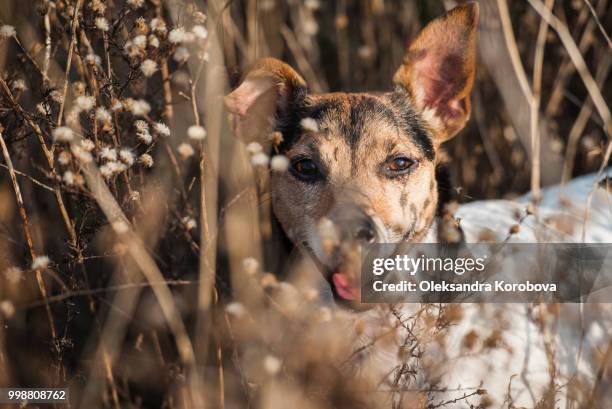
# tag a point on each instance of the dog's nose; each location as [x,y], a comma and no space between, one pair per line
[354,223]
[365,233]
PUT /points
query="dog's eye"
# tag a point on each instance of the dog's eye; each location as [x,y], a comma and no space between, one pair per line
[399,165]
[305,169]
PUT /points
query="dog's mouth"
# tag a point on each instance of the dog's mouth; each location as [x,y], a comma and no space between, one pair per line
[343,277]
[345,287]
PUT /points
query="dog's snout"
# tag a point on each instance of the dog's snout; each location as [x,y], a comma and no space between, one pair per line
[354,223]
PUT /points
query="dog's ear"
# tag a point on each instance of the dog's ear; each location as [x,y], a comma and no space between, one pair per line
[438,71]
[264,99]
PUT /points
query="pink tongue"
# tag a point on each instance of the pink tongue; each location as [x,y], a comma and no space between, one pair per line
[344,287]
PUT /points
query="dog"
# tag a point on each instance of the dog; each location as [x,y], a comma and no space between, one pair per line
[369,164]
[369,167]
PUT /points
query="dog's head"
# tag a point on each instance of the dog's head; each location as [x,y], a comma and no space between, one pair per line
[362,166]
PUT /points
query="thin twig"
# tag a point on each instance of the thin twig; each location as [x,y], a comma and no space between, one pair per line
[47,60]
[73,38]
[599,25]
[300,58]
[107,289]
[535,107]
[32,179]
[28,234]
[512,48]
[580,123]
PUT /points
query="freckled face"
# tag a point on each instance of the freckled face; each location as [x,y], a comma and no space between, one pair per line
[364,152]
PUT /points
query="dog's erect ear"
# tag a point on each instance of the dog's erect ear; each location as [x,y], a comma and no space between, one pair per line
[438,71]
[267,94]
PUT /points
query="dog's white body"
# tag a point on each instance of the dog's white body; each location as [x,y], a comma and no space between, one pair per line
[517,346]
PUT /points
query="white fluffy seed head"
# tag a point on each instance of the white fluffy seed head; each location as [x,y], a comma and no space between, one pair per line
[63,134]
[116,105]
[7,308]
[260,159]
[325,314]
[93,59]
[312,4]
[135,4]
[148,67]
[310,26]
[140,41]
[267,5]
[7,31]
[189,222]
[120,227]
[153,41]
[85,102]
[196,132]
[102,24]
[81,154]
[63,158]
[199,17]
[19,85]
[108,153]
[279,163]
[309,124]
[126,156]
[106,171]
[102,115]
[140,107]
[145,137]
[200,31]
[68,178]
[162,129]
[40,263]
[272,364]
[189,37]
[87,145]
[254,147]
[181,54]
[177,35]
[158,25]
[185,150]
[236,309]
[98,6]
[135,195]
[327,229]
[13,275]
[118,167]
[141,126]
[146,160]
[250,265]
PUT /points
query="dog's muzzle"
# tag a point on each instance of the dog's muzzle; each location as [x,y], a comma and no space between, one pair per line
[342,235]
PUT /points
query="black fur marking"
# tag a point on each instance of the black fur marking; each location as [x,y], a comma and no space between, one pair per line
[413,211]
[352,121]
[445,191]
[411,121]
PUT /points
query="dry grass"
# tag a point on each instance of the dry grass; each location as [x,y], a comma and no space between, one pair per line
[133,262]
